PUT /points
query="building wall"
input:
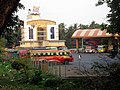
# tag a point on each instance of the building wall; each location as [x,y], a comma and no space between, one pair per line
[42,24]
[39,33]
[25,33]
[52,32]
[57,43]
[46,43]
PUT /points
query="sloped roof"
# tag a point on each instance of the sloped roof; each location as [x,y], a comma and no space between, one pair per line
[90,33]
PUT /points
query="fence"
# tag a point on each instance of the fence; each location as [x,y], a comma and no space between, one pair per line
[51,67]
[60,70]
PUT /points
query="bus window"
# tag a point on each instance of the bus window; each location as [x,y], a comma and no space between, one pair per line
[48,54]
[67,53]
[57,53]
[60,53]
[39,54]
[44,54]
[54,54]
[51,53]
[34,54]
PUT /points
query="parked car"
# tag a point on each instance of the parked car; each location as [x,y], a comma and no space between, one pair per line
[90,49]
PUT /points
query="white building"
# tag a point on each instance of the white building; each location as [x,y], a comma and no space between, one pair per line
[39,32]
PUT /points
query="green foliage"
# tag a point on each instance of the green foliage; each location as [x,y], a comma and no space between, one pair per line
[22,69]
[113,16]
[67,85]
[81,26]
[62,31]
[95,25]
[66,33]
[37,77]
[53,82]
[30,77]
[2,43]
[5,68]
[12,29]
[5,84]
[109,74]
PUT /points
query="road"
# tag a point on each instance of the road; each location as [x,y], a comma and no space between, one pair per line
[83,66]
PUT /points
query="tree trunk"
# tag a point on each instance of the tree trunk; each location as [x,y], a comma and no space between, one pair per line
[6,9]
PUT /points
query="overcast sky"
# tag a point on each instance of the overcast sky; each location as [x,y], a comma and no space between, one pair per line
[67,11]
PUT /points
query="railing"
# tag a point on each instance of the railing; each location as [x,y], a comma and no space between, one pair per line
[50,67]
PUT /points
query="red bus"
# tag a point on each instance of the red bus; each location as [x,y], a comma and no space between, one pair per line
[23,53]
[61,56]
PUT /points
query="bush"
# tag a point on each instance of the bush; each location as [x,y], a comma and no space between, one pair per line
[52,82]
[36,78]
[109,75]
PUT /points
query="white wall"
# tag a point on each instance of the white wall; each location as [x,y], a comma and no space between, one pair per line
[26,33]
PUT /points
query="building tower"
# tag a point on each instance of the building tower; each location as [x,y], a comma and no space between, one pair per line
[39,32]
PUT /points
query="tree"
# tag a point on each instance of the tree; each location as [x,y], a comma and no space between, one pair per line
[66,33]
[62,31]
[2,43]
[7,7]
[94,25]
[113,16]
[70,42]
[11,27]
[114,20]
[81,26]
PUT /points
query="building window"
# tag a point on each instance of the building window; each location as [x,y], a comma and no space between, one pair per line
[41,33]
[40,29]
[30,33]
[52,36]
[41,38]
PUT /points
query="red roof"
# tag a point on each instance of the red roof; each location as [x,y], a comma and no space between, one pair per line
[90,33]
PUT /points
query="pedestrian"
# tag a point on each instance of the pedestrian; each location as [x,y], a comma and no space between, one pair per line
[79,56]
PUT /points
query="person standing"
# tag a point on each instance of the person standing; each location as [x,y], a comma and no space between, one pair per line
[79,58]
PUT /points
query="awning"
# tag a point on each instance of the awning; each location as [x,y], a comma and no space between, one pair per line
[90,33]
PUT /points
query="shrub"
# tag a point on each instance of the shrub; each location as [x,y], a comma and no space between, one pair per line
[37,77]
[109,75]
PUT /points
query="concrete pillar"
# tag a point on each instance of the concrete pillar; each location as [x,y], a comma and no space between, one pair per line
[77,45]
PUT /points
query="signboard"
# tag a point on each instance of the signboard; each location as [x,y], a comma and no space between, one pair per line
[36,9]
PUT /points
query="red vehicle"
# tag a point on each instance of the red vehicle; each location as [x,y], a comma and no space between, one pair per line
[57,55]
[23,53]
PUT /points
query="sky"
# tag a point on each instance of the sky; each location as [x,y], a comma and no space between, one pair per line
[67,11]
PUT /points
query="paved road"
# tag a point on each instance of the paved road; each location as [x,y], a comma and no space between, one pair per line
[83,66]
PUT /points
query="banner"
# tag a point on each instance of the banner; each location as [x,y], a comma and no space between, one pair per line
[36,9]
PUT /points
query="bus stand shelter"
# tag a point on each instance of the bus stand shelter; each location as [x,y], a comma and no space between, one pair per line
[91,33]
